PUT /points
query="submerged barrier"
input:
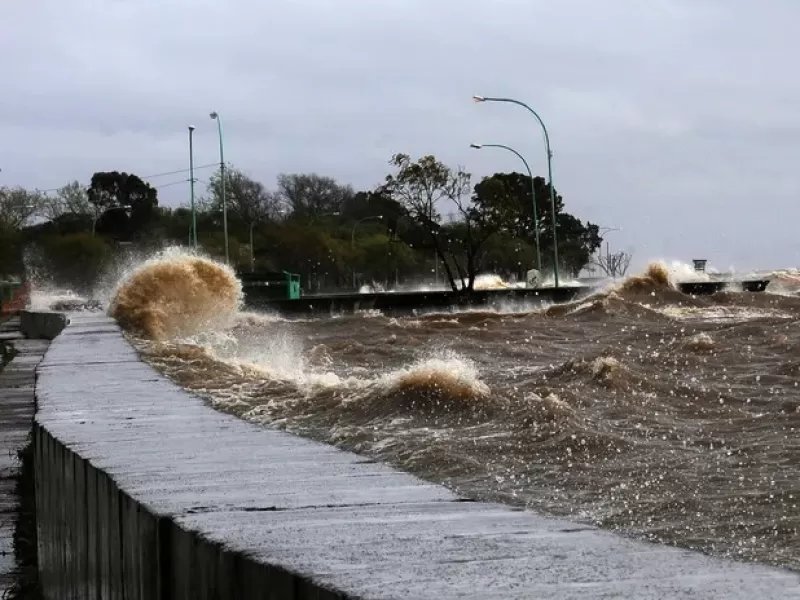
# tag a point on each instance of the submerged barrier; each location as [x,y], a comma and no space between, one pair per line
[404,303]
[144,492]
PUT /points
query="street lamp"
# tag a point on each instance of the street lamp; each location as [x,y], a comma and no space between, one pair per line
[353,237]
[191,188]
[215,116]
[549,171]
[533,195]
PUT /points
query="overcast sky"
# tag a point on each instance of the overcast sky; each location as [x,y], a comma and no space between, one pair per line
[677,121]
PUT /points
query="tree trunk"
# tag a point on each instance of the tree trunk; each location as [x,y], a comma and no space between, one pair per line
[471,269]
[446,266]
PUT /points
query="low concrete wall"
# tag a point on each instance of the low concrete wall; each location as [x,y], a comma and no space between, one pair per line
[143,492]
[42,325]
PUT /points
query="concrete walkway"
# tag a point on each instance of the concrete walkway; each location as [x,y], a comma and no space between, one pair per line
[17,381]
[322,519]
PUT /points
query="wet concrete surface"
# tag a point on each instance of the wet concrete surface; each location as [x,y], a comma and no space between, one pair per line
[17,382]
[191,502]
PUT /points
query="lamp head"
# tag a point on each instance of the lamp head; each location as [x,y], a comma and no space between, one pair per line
[213,115]
[479,98]
[191,127]
[476,146]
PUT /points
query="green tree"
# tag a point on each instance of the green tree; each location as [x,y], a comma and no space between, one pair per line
[213,242]
[505,201]
[74,260]
[509,256]
[126,204]
[370,203]
[10,251]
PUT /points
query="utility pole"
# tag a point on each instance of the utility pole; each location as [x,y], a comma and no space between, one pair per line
[191,188]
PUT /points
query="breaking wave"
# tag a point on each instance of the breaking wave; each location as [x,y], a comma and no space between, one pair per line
[436,385]
[176,294]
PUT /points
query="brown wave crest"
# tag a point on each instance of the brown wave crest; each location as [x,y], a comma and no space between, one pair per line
[433,387]
[176,294]
[654,286]
[656,276]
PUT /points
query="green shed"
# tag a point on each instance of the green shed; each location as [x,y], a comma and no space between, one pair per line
[280,285]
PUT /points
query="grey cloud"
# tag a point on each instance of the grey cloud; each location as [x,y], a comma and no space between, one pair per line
[672,119]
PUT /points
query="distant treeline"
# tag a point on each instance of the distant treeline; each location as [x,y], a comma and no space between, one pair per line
[426,218]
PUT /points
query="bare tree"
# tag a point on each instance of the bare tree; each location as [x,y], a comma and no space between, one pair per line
[312,195]
[613,265]
[72,199]
[246,197]
[17,205]
[472,232]
[420,187]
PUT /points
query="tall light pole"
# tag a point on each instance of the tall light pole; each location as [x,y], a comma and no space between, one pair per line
[191,187]
[214,115]
[353,237]
[533,195]
[549,172]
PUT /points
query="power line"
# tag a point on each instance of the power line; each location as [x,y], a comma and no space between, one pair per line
[164,174]
[163,185]
[216,164]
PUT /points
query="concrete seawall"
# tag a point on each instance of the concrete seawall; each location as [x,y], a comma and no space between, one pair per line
[144,492]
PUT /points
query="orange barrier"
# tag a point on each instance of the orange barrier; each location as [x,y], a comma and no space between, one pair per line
[15,298]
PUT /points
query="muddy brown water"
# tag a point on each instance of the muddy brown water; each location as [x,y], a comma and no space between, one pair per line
[642,410]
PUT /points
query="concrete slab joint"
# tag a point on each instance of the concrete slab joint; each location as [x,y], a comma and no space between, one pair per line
[144,492]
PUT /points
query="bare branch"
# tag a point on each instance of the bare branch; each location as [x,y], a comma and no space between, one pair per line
[18,205]
[72,199]
[613,265]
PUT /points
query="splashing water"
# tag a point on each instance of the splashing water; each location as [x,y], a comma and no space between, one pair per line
[48,298]
[657,276]
[490,282]
[194,301]
[445,379]
[176,293]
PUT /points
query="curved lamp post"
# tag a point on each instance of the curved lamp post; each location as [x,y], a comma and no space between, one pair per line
[533,195]
[353,237]
[549,171]
[215,115]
